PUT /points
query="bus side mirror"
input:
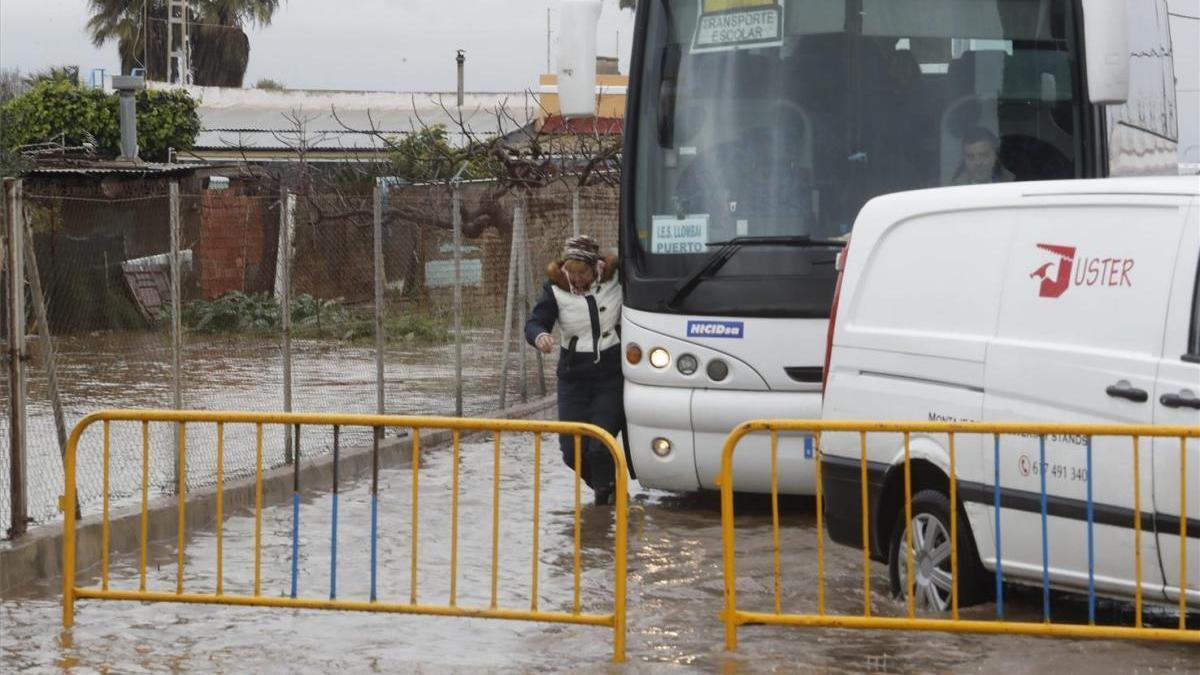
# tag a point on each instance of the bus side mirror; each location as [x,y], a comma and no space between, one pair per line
[1106,51]
[577,57]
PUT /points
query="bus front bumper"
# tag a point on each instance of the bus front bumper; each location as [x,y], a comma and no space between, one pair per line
[696,423]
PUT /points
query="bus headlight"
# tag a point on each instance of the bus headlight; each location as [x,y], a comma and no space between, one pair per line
[661,447]
[660,358]
[718,370]
[687,364]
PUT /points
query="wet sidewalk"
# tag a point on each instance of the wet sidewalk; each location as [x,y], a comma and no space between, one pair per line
[675,591]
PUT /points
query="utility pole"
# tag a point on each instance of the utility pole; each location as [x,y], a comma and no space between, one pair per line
[547,39]
[179,43]
[462,60]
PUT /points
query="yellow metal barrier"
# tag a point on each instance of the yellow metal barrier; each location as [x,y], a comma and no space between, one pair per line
[457,426]
[733,617]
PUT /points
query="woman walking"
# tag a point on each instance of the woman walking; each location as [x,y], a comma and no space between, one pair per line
[583,297]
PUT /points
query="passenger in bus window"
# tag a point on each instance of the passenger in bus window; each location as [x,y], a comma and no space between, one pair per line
[583,297]
[981,160]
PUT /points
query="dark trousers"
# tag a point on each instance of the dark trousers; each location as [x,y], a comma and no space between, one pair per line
[598,401]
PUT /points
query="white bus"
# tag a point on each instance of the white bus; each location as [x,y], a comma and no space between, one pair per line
[757,129]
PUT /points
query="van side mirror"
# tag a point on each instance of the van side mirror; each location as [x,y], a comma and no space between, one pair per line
[577,57]
[1106,51]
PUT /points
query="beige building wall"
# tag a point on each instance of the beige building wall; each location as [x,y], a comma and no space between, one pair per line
[610,98]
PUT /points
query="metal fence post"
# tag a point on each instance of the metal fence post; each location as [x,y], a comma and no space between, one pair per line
[176,319]
[510,292]
[380,277]
[456,215]
[576,207]
[522,293]
[283,285]
[530,300]
[18,503]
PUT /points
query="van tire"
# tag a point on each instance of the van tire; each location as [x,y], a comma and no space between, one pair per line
[931,508]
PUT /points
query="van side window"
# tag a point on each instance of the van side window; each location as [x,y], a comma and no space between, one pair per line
[1193,354]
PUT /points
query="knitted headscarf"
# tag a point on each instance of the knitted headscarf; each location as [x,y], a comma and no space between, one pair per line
[582,248]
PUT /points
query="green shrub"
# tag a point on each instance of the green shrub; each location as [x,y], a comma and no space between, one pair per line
[53,108]
[233,312]
[166,120]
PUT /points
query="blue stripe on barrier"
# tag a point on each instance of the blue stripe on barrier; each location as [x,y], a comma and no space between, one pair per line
[1045,533]
[374,541]
[1091,519]
[295,539]
[333,527]
[333,552]
[999,557]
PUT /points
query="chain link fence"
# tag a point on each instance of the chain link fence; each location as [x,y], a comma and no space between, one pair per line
[100,323]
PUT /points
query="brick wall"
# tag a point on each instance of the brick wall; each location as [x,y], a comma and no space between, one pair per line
[233,251]
[333,248]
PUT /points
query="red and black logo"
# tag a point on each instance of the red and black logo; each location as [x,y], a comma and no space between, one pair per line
[1055,276]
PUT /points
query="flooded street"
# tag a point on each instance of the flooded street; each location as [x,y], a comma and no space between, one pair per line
[234,373]
[675,590]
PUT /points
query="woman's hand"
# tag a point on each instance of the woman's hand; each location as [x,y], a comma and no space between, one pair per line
[544,343]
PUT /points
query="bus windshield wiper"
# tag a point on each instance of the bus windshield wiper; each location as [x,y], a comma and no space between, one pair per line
[731,248]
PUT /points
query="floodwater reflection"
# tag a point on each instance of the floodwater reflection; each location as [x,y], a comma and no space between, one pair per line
[675,592]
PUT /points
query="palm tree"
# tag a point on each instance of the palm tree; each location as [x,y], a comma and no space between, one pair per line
[124,21]
[220,46]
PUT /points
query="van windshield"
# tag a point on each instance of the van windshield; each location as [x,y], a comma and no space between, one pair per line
[782,118]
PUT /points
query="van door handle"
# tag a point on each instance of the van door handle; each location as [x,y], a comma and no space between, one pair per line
[1128,392]
[1179,401]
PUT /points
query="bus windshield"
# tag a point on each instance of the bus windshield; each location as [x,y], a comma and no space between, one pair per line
[781,118]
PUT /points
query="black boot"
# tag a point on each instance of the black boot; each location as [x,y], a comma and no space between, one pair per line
[606,496]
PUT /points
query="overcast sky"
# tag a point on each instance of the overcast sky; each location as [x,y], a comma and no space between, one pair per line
[401,45]
[409,45]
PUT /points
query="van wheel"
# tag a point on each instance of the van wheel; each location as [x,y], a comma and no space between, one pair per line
[931,556]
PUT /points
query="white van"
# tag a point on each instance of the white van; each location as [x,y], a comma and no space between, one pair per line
[1071,302]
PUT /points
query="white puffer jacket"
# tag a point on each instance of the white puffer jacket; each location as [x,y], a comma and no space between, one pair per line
[590,324]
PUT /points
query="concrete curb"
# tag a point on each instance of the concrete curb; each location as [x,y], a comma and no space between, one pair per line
[37,557]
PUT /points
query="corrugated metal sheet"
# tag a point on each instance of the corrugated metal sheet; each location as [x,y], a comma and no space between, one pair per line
[149,280]
[337,120]
[105,168]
